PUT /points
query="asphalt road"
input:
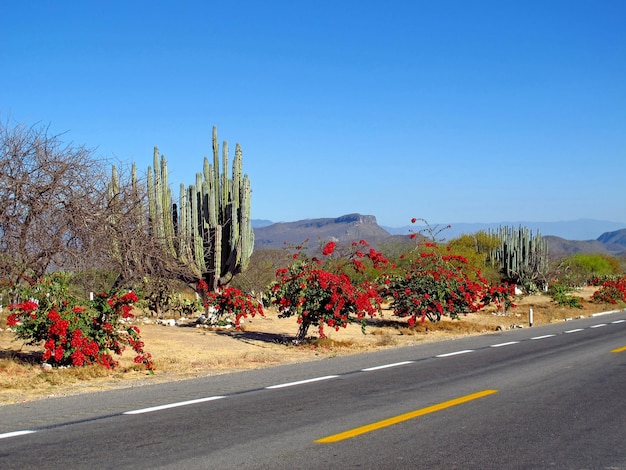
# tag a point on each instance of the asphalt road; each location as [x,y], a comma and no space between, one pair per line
[543,397]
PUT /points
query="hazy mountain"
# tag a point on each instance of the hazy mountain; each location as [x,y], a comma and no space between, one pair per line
[258,223]
[558,247]
[354,227]
[582,229]
[618,237]
[347,228]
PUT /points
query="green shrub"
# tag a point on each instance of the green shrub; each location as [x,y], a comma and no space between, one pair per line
[561,294]
[579,269]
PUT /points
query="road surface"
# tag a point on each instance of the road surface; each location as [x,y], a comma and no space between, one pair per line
[538,398]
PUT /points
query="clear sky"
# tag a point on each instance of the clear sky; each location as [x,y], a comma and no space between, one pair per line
[451,111]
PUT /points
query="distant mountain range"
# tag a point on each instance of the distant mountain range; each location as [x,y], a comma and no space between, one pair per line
[582,229]
[579,236]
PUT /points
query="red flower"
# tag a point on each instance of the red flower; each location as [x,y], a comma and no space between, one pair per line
[130,297]
[78,358]
[58,353]
[126,311]
[329,248]
[54,315]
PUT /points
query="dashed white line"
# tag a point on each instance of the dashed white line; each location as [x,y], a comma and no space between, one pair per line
[300,382]
[543,337]
[456,353]
[618,321]
[386,366]
[598,325]
[15,433]
[610,312]
[503,344]
[576,330]
[173,405]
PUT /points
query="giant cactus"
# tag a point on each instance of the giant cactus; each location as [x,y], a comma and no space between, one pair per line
[210,230]
[522,256]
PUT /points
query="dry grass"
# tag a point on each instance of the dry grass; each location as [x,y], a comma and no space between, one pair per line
[265,341]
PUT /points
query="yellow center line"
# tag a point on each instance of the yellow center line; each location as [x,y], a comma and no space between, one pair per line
[622,349]
[403,417]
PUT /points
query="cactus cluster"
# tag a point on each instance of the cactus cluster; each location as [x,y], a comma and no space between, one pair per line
[210,230]
[522,256]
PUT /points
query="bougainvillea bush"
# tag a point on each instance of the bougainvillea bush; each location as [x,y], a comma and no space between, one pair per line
[228,304]
[611,290]
[440,283]
[327,291]
[78,334]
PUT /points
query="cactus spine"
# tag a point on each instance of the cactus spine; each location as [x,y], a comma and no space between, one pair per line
[210,230]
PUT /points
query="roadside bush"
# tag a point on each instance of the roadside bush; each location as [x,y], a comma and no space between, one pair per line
[75,333]
[580,268]
[322,292]
[561,294]
[437,284]
[612,291]
[228,305]
[476,248]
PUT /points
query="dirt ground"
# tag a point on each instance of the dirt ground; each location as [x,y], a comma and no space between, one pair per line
[186,352]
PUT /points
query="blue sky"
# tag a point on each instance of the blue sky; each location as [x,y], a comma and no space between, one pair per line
[451,111]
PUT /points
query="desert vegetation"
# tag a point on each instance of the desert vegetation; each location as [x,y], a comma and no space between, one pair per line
[90,252]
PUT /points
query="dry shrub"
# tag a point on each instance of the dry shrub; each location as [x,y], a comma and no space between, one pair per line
[385,340]
[333,344]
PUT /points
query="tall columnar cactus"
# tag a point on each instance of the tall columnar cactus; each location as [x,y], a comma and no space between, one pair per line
[210,231]
[522,256]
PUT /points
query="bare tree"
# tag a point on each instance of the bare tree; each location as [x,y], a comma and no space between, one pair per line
[134,251]
[61,209]
[51,196]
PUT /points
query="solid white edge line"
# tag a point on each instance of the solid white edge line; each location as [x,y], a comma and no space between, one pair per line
[15,433]
[598,325]
[576,330]
[465,351]
[503,344]
[543,337]
[386,366]
[300,382]
[172,405]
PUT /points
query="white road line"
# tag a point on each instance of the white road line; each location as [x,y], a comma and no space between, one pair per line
[618,321]
[386,366]
[455,353]
[575,330]
[172,405]
[300,382]
[503,344]
[543,337]
[610,312]
[598,325]
[15,433]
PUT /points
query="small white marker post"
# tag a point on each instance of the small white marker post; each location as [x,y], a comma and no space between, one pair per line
[530,317]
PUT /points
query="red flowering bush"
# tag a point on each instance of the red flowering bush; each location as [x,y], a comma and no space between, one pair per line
[229,304]
[437,284]
[611,291]
[76,335]
[323,292]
